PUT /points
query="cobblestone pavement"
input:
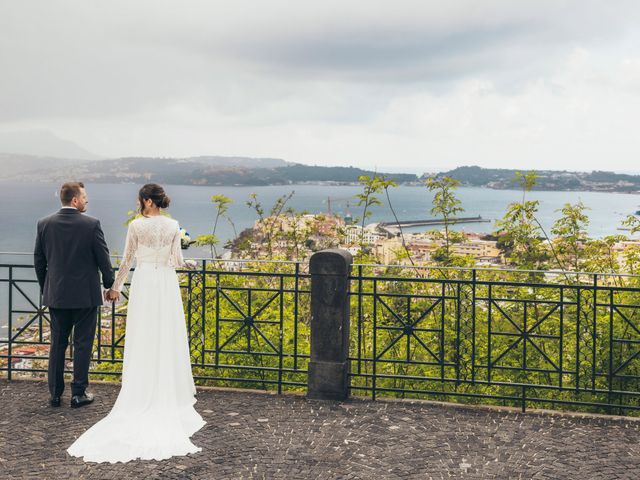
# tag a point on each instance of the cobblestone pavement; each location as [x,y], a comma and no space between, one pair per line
[256,435]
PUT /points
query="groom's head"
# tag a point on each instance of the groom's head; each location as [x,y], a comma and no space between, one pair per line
[73,194]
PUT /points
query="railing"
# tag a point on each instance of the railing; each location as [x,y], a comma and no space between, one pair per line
[246,327]
[526,338]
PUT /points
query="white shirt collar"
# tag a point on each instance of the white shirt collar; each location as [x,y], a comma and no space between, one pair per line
[69,207]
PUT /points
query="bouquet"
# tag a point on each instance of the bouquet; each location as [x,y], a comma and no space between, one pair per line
[185,239]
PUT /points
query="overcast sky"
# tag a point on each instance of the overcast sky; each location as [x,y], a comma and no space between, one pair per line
[397,85]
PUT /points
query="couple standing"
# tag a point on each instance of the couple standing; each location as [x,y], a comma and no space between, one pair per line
[153,416]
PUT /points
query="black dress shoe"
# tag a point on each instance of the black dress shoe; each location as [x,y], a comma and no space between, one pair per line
[81,400]
[54,401]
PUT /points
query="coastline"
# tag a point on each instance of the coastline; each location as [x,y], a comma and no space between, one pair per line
[314,183]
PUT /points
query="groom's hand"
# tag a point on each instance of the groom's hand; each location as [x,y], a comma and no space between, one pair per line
[111,295]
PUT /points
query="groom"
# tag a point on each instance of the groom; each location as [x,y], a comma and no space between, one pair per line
[70,249]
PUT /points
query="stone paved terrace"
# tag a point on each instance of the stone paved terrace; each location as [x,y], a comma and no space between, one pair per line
[258,435]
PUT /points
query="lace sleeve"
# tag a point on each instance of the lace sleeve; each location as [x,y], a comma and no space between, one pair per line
[176,259]
[130,247]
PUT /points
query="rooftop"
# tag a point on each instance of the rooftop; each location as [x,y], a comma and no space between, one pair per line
[264,435]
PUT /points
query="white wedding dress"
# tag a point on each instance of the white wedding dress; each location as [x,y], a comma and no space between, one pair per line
[153,416]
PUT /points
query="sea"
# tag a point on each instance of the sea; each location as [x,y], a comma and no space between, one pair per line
[21,205]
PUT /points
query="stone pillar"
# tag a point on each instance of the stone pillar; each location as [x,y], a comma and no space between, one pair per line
[328,377]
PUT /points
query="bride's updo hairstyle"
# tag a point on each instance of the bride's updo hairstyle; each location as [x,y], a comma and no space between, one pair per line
[155,193]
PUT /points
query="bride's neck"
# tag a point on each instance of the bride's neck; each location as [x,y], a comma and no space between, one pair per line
[152,213]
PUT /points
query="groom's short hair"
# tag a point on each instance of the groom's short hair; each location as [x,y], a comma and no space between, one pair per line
[69,191]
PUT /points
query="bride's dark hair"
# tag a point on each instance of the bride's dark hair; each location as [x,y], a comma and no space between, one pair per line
[155,193]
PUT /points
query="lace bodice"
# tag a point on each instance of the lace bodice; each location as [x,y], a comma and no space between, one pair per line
[150,240]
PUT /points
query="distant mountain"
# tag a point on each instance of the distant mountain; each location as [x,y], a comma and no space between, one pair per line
[500,178]
[299,173]
[246,162]
[42,143]
[49,168]
[201,171]
[30,166]
[229,171]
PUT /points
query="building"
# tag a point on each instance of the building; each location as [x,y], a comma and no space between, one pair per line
[479,249]
[369,235]
[387,250]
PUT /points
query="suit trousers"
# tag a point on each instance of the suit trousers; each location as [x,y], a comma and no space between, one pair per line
[83,323]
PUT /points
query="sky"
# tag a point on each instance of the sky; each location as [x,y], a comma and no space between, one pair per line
[412,86]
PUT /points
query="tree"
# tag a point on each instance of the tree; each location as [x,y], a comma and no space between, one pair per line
[405,253]
[571,232]
[599,255]
[269,225]
[371,187]
[221,203]
[632,223]
[447,206]
[521,236]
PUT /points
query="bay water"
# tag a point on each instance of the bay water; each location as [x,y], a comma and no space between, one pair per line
[21,205]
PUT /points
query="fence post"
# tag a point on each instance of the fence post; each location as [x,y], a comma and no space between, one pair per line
[328,376]
[10,325]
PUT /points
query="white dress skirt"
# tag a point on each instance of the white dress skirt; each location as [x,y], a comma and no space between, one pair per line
[154,415]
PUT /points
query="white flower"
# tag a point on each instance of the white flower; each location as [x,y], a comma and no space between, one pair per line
[185,239]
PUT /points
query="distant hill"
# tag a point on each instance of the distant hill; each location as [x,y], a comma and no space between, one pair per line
[298,173]
[246,162]
[500,178]
[200,171]
[49,168]
[42,143]
[14,164]
[229,171]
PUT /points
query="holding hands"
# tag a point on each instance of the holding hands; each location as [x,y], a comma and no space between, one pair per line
[111,295]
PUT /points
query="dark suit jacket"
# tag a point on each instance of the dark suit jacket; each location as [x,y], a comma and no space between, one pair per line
[70,250]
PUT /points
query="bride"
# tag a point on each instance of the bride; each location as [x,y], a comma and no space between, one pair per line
[153,416]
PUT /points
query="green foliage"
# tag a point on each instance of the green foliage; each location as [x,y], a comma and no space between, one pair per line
[371,187]
[447,206]
[520,233]
[631,257]
[466,338]
[221,203]
[571,232]
[271,224]
[599,255]
[445,203]
[632,223]
[207,240]
[526,181]
[133,214]
[547,179]
[366,199]
[521,237]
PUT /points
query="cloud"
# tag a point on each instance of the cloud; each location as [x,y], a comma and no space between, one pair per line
[408,84]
